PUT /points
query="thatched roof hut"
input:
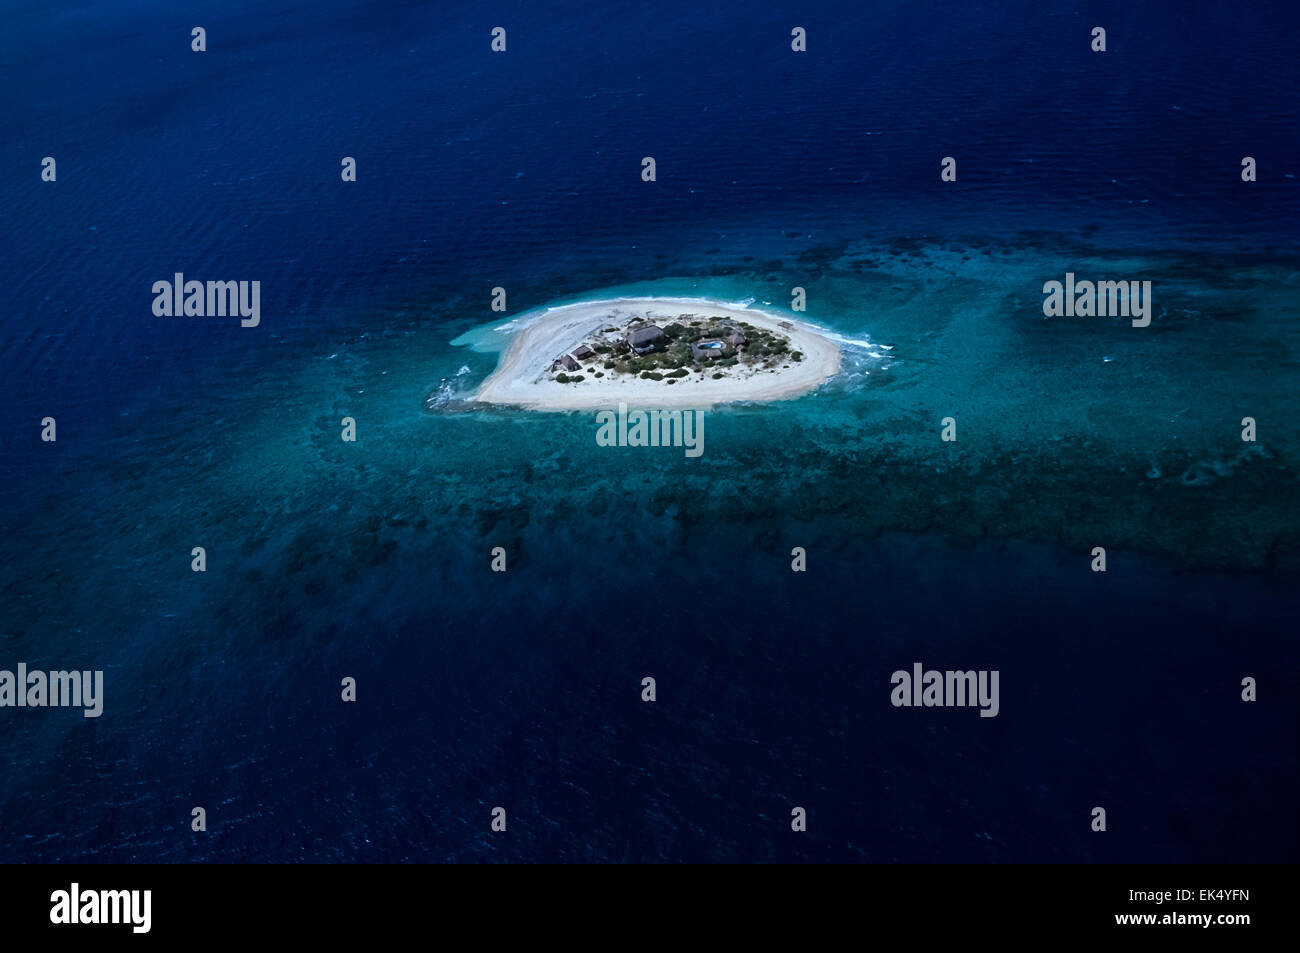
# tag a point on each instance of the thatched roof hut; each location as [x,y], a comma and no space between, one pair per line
[645,338]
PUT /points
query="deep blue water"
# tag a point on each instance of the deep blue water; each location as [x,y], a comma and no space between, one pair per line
[523,170]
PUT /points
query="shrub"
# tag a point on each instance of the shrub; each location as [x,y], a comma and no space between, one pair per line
[717,377]
[574,380]
[680,372]
[562,377]
[651,376]
[796,355]
[600,373]
[610,365]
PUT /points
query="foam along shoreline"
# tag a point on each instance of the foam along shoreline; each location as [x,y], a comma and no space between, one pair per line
[524,376]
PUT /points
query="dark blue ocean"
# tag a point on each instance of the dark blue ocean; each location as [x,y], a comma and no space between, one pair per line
[522,689]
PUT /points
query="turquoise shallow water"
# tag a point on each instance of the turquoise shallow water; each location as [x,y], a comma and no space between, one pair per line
[951,330]
[370,558]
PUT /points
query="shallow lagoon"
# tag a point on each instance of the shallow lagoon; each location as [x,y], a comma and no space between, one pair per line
[371,558]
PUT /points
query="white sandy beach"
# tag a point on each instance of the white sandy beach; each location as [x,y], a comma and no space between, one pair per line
[522,375]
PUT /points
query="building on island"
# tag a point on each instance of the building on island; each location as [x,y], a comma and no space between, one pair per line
[582,352]
[735,337]
[709,349]
[569,363]
[646,339]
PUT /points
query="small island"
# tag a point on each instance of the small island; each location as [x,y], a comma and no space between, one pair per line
[658,352]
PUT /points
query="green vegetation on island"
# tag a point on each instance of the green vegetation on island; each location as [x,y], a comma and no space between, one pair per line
[707,346]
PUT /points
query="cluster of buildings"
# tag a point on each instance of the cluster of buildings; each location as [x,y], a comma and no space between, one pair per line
[570,361]
[711,349]
[650,337]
